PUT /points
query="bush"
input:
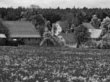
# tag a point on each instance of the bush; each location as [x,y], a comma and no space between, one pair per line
[90,44]
[103,45]
[52,17]
[81,34]
[3,29]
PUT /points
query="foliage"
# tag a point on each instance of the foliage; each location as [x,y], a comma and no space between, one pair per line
[81,14]
[37,19]
[72,15]
[11,14]
[95,21]
[3,29]
[104,45]
[52,17]
[81,34]
[105,24]
[53,64]
[90,44]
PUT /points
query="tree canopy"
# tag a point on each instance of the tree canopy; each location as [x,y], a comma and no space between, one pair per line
[81,34]
[3,29]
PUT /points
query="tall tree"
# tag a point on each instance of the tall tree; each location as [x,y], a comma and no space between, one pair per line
[81,34]
[3,29]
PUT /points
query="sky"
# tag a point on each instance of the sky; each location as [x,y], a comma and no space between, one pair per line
[56,3]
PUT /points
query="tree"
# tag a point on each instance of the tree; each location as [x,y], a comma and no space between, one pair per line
[95,21]
[106,23]
[3,29]
[81,34]
[39,22]
[52,17]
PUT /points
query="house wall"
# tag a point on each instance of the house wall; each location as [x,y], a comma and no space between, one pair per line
[2,41]
[31,41]
[23,41]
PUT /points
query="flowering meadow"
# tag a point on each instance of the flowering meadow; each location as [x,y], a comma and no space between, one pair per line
[53,64]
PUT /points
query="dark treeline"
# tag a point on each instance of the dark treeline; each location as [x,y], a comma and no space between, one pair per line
[74,15]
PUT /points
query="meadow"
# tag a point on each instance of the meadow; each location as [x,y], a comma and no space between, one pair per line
[54,64]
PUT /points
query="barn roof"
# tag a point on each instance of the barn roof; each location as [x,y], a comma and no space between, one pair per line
[21,29]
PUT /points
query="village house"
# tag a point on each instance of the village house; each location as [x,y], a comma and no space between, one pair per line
[94,33]
[25,33]
[21,32]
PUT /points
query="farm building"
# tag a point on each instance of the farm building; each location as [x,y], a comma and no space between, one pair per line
[95,33]
[22,32]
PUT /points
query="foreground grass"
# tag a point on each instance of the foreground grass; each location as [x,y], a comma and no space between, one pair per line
[53,64]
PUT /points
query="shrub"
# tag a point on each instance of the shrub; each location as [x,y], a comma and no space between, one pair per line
[81,34]
[104,45]
[3,29]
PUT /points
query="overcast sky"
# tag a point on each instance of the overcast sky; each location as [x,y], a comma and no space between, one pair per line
[56,3]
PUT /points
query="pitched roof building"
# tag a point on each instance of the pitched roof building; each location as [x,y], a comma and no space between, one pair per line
[21,32]
[95,33]
[21,29]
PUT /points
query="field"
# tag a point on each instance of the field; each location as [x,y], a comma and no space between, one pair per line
[53,64]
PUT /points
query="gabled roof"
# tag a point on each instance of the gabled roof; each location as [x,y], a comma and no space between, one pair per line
[21,29]
[95,33]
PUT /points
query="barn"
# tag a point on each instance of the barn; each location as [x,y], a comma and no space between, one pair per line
[21,32]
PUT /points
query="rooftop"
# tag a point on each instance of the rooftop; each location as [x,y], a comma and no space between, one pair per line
[21,29]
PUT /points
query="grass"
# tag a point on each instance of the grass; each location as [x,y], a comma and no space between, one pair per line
[31,64]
